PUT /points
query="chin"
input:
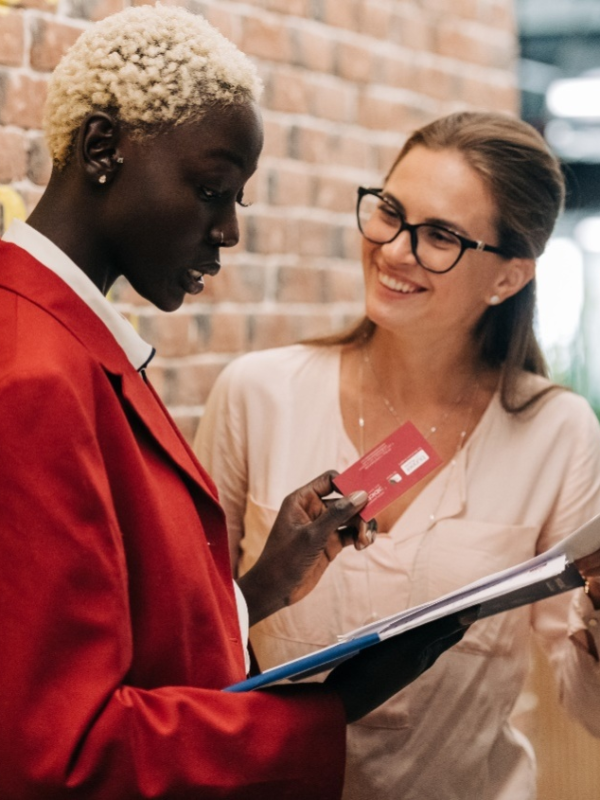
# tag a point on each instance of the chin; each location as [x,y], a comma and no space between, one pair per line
[163,302]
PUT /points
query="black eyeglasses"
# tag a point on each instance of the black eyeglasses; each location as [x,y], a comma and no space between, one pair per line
[436,248]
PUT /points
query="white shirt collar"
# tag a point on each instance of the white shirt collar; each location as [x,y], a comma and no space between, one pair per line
[41,248]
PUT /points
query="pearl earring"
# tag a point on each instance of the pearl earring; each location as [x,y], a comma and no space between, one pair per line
[494,300]
[102,179]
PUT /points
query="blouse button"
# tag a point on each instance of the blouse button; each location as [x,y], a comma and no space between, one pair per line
[592,623]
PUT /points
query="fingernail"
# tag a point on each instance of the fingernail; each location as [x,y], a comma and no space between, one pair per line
[469,616]
[358,498]
[371,531]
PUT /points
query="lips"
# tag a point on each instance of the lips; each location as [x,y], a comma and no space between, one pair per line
[398,285]
[193,279]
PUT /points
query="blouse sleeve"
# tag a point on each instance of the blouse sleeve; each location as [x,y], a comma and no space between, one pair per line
[567,624]
[221,444]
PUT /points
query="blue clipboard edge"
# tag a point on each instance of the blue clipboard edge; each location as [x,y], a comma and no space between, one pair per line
[308,665]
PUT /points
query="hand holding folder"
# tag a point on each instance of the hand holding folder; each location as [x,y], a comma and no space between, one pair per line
[549,573]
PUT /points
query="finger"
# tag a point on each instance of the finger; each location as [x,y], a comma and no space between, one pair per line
[456,623]
[590,565]
[366,534]
[322,485]
[340,512]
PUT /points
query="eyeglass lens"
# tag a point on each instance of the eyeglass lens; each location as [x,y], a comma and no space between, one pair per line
[437,249]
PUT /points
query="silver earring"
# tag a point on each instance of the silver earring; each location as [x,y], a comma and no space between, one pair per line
[120,160]
[222,238]
[494,300]
[102,179]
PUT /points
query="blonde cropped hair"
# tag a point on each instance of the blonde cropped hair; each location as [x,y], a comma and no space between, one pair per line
[150,66]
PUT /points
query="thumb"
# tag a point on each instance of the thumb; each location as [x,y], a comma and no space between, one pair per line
[341,511]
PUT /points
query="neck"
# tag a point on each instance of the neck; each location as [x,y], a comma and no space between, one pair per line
[65,217]
[423,372]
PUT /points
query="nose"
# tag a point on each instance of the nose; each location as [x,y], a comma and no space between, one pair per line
[401,247]
[225,232]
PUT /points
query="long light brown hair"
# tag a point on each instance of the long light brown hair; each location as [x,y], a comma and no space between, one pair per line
[527,186]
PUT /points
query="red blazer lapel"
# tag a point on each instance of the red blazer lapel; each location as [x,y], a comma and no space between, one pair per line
[27,277]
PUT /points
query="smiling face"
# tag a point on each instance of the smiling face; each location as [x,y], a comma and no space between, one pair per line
[439,187]
[172,203]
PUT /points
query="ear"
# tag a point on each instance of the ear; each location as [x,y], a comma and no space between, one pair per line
[516,274]
[98,146]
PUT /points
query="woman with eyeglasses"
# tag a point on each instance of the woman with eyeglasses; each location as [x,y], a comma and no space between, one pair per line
[449,248]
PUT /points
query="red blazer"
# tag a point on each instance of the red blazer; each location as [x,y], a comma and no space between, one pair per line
[118,619]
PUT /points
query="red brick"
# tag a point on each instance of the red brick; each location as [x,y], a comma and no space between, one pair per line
[434,81]
[318,323]
[274,330]
[396,68]
[336,192]
[268,233]
[13,156]
[267,38]
[49,6]
[316,237]
[352,150]
[475,44]
[310,144]
[346,14]
[314,48]
[344,283]
[290,184]
[12,39]
[385,156]
[276,136]
[386,109]
[289,91]
[22,100]
[40,163]
[298,8]
[171,334]
[375,18]
[229,23]
[229,332]
[350,243]
[355,62]
[333,99]
[240,280]
[299,284]
[50,40]
[412,29]
[188,383]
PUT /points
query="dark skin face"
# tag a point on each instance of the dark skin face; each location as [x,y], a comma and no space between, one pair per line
[162,215]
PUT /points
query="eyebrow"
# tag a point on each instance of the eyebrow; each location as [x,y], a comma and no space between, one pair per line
[439,221]
[228,155]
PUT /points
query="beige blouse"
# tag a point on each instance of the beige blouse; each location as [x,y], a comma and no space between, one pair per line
[519,485]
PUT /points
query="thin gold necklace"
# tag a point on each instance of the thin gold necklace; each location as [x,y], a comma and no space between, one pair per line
[366,359]
[373,613]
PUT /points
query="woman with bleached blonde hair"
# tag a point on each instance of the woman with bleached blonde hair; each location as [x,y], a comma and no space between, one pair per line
[121,625]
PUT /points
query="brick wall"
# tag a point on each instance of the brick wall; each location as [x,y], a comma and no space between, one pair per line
[345,81]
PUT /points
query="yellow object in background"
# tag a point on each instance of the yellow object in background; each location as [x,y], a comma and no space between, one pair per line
[11,203]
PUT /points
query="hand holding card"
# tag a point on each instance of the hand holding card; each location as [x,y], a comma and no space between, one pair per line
[389,469]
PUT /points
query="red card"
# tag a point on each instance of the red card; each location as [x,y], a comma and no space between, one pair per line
[391,468]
